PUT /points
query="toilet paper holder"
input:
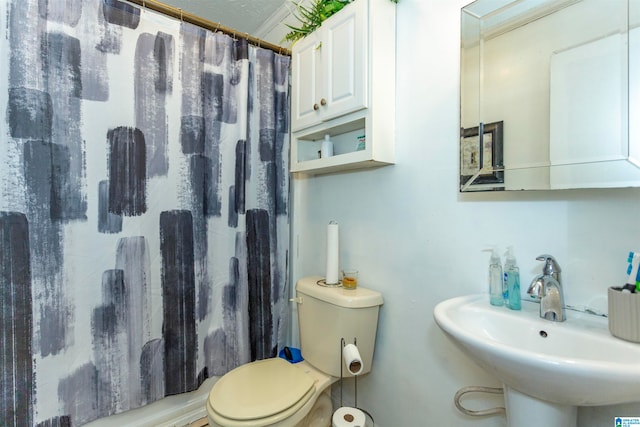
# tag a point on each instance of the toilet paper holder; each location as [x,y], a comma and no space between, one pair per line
[343,361]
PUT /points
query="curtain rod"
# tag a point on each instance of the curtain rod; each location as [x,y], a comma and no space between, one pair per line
[209,25]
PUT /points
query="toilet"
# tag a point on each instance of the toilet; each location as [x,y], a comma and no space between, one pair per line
[276,393]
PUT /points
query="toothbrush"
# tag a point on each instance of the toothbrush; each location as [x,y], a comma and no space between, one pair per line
[633,271]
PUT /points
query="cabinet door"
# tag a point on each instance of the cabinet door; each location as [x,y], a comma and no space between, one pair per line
[306,68]
[329,68]
[344,61]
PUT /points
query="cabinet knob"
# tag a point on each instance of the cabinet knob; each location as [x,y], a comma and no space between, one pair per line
[316,107]
[323,102]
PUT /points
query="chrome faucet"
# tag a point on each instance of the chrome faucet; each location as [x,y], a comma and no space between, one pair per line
[547,288]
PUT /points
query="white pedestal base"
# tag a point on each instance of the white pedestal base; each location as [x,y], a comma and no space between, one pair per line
[527,411]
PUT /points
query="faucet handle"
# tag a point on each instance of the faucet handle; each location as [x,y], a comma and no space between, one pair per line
[551,266]
[536,288]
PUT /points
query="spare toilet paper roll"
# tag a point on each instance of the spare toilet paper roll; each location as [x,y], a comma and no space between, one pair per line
[352,359]
[332,254]
[348,417]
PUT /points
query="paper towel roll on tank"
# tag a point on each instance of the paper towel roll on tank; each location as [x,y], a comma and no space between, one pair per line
[333,254]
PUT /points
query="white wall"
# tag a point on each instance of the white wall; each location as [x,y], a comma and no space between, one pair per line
[418,241]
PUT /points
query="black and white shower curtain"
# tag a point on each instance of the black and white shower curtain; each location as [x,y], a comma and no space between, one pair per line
[143,208]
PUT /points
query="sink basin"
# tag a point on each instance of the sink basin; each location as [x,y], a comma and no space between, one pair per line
[573,363]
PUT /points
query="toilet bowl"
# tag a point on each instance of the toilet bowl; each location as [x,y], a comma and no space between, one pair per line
[276,393]
[272,393]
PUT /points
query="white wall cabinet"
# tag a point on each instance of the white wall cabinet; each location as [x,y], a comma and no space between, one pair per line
[343,84]
[330,69]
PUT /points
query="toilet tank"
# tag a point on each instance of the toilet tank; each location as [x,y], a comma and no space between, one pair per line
[326,315]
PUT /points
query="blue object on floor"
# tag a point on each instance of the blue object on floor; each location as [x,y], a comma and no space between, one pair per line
[294,355]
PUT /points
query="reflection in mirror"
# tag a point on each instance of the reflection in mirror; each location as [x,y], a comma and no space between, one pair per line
[481,157]
[562,76]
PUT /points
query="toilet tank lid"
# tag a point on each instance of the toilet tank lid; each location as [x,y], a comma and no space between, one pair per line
[348,298]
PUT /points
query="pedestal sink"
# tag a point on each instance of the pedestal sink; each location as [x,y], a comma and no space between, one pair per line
[548,368]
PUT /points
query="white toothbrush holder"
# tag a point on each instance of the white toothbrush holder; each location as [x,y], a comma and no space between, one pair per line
[624,314]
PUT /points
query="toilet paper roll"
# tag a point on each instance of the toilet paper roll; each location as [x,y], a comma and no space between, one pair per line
[348,417]
[352,359]
[332,254]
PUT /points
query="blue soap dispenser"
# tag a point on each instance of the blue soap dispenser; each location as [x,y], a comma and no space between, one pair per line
[512,280]
[495,279]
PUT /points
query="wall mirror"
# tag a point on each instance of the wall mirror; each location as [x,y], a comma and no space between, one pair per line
[550,94]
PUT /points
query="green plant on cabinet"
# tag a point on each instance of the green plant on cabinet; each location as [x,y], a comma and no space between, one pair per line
[312,17]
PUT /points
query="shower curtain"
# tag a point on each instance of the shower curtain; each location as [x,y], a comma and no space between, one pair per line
[143,208]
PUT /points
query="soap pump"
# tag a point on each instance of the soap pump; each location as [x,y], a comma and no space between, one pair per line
[496,282]
[327,147]
[512,280]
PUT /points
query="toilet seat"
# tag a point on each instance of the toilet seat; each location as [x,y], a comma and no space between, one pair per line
[267,390]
